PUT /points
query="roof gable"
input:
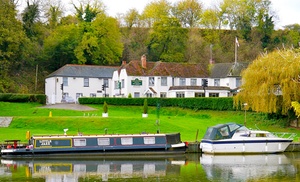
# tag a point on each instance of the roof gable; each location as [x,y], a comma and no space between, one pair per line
[222,70]
[91,71]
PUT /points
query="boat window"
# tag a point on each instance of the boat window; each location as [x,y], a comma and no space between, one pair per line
[79,142]
[149,140]
[224,131]
[127,141]
[103,141]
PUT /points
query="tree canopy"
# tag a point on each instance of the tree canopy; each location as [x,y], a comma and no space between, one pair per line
[271,82]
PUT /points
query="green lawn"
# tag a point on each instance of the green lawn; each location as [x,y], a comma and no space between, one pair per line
[122,120]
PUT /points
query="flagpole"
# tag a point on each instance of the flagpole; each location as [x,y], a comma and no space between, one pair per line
[235,50]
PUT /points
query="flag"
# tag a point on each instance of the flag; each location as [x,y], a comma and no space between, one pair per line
[237,42]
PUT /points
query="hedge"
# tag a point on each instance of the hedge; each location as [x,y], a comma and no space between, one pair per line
[199,103]
[11,97]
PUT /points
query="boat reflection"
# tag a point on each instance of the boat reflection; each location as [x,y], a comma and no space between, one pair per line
[247,167]
[105,169]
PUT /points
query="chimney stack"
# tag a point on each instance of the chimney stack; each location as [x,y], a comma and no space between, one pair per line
[144,61]
[123,62]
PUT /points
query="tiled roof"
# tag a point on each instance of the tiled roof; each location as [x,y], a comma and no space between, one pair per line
[223,70]
[185,70]
[91,71]
[198,88]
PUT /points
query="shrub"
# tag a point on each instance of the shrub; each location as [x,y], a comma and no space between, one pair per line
[105,107]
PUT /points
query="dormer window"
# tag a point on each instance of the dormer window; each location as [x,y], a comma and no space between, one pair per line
[151,81]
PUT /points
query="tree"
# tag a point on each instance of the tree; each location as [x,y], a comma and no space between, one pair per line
[100,43]
[31,16]
[13,45]
[271,82]
[167,41]
[155,11]
[87,11]
[188,12]
[132,18]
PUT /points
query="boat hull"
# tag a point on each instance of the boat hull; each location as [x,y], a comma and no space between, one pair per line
[232,146]
[98,145]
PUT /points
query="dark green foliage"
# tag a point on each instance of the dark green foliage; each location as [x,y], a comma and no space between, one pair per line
[220,104]
[10,97]
[145,108]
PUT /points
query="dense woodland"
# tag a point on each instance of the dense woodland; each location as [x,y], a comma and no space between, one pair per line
[42,37]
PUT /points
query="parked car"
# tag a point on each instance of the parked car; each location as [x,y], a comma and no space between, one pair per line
[67,99]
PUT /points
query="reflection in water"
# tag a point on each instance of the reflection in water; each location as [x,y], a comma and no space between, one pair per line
[247,167]
[73,170]
[280,167]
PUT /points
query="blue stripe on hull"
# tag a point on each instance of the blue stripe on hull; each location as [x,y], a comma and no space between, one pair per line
[244,141]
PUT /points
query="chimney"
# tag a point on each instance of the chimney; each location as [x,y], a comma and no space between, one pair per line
[123,62]
[211,61]
[144,61]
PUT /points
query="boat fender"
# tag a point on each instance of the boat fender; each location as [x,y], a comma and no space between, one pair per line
[186,144]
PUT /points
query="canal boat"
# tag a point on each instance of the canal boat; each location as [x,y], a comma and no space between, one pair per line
[232,138]
[93,145]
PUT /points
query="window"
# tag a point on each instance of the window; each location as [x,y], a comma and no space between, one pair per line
[65,81]
[103,141]
[213,94]
[180,94]
[86,82]
[92,95]
[148,94]
[116,86]
[217,82]
[136,94]
[79,142]
[123,83]
[182,82]
[127,141]
[163,94]
[164,81]
[149,140]
[105,82]
[199,94]
[238,82]
[151,81]
[193,82]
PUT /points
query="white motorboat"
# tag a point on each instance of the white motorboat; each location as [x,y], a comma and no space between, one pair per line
[232,138]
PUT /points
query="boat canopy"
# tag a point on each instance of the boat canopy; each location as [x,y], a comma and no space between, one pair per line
[222,131]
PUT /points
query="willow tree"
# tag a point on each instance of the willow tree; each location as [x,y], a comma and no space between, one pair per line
[271,83]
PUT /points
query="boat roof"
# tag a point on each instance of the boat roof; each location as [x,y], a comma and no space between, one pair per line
[221,131]
[101,136]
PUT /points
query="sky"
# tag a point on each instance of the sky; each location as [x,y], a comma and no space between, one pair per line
[288,11]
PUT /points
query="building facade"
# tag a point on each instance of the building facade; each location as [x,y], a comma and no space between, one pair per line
[141,78]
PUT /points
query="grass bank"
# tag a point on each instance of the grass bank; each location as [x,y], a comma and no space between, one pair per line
[123,120]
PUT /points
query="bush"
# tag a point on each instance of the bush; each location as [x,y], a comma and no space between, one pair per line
[199,103]
[11,97]
[105,107]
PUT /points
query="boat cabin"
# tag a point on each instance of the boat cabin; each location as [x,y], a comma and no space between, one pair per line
[222,131]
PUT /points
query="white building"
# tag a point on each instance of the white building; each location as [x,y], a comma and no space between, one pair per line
[70,82]
[141,78]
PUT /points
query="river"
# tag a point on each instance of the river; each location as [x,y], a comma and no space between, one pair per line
[189,167]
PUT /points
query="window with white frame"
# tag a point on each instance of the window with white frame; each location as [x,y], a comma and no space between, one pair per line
[149,140]
[79,142]
[65,81]
[136,94]
[181,81]
[105,82]
[238,82]
[164,81]
[116,86]
[180,94]
[163,94]
[127,141]
[86,82]
[199,94]
[123,83]
[193,82]
[213,94]
[151,81]
[217,82]
[103,141]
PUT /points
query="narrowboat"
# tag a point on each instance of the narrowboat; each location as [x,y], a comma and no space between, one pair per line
[232,138]
[93,145]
